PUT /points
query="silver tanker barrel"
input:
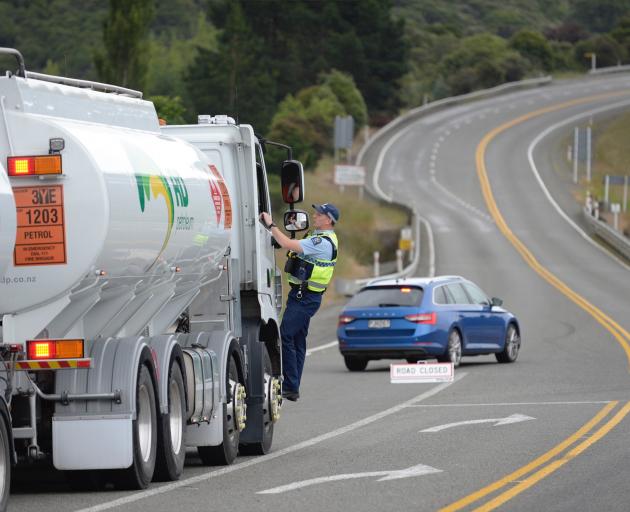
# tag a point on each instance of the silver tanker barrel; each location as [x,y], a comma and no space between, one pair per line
[135,221]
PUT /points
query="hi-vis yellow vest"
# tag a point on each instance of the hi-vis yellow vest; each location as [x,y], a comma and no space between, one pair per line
[317,273]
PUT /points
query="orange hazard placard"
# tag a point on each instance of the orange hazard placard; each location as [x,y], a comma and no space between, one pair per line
[41,233]
[227,204]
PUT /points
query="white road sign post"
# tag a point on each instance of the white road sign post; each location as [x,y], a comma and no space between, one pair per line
[615,208]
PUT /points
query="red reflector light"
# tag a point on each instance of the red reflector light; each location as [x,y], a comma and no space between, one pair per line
[422,318]
[44,349]
[345,319]
[54,349]
[34,165]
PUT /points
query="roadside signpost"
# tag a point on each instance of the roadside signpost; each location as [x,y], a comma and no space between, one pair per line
[351,175]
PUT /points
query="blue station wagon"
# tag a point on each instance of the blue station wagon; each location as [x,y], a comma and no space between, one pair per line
[444,317]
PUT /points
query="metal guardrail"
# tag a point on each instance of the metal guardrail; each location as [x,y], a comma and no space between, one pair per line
[609,235]
[418,112]
[609,69]
[350,287]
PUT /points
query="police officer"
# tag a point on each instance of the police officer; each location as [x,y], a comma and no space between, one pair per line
[310,265]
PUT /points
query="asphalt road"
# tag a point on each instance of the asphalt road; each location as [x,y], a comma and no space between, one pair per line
[346,443]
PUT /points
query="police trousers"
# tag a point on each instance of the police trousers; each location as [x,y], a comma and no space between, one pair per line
[294,328]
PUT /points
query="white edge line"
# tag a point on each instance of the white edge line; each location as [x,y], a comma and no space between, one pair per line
[530,157]
[381,157]
[265,458]
[427,225]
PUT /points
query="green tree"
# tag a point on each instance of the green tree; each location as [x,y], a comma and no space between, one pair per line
[621,34]
[344,88]
[482,61]
[358,37]
[172,110]
[235,78]
[608,51]
[126,43]
[534,47]
[599,16]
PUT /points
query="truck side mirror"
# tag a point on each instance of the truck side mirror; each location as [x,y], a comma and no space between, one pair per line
[292,181]
[295,220]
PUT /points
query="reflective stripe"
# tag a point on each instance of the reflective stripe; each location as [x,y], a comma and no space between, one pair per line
[322,272]
[53,364]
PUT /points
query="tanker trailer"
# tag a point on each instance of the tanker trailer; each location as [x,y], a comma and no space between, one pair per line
[139,303]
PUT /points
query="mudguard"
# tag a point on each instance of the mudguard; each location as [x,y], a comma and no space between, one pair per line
[79,424]
[163,347]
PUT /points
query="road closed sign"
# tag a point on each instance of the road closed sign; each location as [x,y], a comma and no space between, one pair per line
[421,372]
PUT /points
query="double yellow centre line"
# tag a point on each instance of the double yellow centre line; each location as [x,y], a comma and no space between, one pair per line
[565,451]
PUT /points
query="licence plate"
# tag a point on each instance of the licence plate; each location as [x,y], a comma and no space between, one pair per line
[378,324]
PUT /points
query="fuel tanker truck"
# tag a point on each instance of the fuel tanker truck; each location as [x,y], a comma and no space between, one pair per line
[139,296]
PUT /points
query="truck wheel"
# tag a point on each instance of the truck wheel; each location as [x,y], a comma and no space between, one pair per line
[140,473]
[271,411]
[233,423]
[171,447]
[5,466]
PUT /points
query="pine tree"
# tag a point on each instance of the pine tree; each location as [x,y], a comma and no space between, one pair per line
[124,60]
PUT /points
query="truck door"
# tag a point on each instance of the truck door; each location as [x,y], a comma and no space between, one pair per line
[266,255]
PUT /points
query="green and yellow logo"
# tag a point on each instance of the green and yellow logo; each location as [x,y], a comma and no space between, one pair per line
[174,192]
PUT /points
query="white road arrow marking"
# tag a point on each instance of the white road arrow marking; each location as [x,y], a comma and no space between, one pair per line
[515,418]
[418,470]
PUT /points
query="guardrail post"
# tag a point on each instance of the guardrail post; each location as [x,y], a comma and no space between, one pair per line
[589,154]
[377,270]
[575,154]
[399,261]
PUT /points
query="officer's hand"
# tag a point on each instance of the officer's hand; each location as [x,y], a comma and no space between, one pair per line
[266,219]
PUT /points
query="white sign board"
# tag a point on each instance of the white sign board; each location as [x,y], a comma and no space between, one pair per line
[422,372]
[615,207]
[349,175]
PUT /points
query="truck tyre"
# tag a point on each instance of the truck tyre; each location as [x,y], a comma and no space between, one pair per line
[5,465]
[233,412]
[171,446]
[271,411]
[140,473]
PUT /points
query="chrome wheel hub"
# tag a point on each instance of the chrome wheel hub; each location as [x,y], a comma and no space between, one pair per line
[145,423]
[176,418]
[237,405]
[274,397]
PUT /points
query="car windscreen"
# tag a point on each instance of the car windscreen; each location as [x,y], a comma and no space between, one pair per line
[386,297]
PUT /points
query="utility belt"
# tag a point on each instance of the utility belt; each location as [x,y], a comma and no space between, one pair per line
[303,287]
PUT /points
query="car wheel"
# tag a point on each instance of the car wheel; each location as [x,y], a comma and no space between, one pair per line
[453,352]
[355,364]
[511,347]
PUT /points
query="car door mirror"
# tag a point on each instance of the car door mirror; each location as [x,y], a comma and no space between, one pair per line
[495,301]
